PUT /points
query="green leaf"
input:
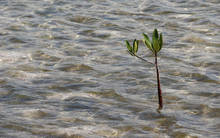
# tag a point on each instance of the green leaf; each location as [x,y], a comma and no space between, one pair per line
[161,41]
[147,42]
[155,34]
[135,45]
[155,41]
[146,37]
[128,46]
[156,46]
[148,45]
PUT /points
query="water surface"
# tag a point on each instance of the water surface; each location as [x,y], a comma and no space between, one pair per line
[65,71]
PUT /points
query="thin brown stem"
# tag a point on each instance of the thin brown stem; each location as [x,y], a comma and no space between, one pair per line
[160,99]
[143,59]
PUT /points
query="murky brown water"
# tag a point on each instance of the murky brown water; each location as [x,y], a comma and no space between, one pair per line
[65,71]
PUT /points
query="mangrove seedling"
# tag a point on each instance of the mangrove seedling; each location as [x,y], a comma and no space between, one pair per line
[155,46]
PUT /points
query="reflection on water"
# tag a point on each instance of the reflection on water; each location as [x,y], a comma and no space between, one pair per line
[65,71]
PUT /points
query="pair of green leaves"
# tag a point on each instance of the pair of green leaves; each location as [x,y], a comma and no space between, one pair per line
[132,49]
[157,41]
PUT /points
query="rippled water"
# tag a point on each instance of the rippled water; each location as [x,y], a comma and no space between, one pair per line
[65,71]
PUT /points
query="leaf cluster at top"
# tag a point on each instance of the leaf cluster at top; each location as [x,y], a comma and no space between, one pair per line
[155,45]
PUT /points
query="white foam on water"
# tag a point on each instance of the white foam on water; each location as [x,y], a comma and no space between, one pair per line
[97,130]
[12,56]
[21,134]
[64,96]
[28,76]
[35,113]
[182,16]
